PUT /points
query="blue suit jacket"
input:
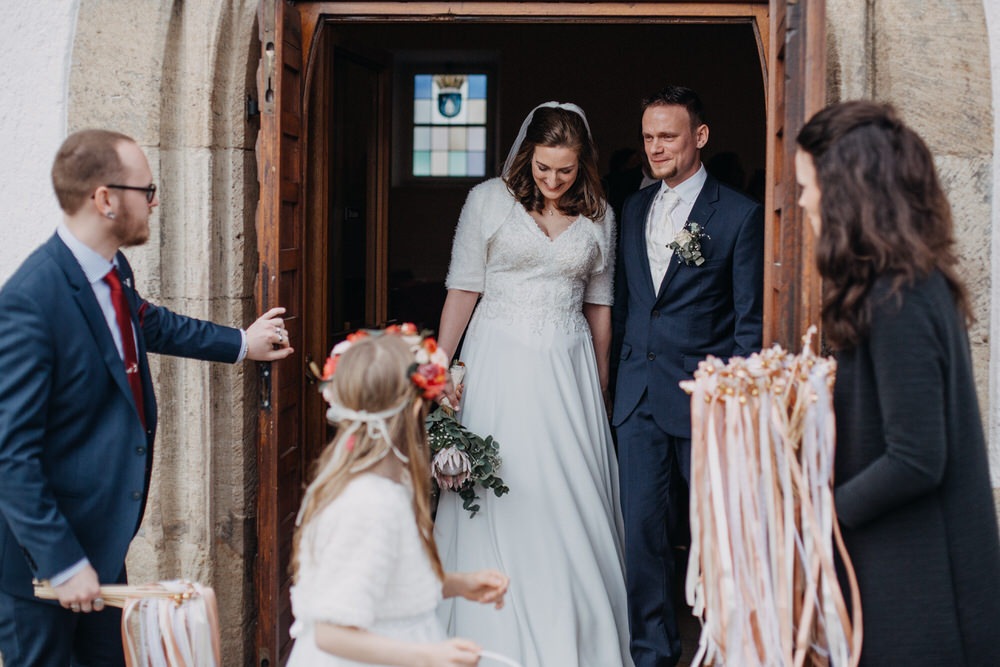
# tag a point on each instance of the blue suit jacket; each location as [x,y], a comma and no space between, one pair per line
[74,458]
[716,308]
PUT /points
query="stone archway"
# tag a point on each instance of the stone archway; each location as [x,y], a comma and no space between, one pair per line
[176,76]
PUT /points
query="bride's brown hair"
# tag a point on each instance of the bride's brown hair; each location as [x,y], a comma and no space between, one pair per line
[552,126]
[372,376]
[883,213]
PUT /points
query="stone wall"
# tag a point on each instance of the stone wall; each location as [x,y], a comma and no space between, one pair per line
[175,76]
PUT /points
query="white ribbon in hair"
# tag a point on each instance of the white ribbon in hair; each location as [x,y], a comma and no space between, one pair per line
[569,106]
[375,424]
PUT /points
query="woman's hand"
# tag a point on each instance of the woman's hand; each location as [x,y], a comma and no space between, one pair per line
[450,653]
[453,394]
[483,586]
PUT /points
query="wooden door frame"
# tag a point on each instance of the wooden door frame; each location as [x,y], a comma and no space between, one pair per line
[755,12]
[783,39]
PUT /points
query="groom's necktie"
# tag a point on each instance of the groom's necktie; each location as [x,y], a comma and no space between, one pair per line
[663,234]
[128,340]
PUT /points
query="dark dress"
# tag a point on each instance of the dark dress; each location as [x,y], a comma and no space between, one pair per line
[913,492]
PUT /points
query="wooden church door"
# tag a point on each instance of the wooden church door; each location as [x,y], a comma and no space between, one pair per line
[792,45]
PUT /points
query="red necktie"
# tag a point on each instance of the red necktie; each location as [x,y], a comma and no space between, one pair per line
[128,340]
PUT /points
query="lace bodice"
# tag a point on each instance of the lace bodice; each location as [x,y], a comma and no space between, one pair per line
[362,561]
[523,275]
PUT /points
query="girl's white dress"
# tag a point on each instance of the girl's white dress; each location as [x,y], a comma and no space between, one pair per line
[532,383]
[362,564]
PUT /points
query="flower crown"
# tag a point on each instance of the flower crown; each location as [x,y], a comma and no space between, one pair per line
[429,370]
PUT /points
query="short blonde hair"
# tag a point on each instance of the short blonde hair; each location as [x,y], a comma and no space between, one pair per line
[86,160]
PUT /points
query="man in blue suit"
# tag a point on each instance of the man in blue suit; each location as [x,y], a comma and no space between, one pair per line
[674,305]
[77,412]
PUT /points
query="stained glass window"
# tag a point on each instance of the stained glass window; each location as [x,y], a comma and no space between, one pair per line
[449,125]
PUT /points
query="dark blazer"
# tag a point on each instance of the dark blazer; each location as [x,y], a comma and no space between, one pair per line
[716,308]
[74,458]
[913,491]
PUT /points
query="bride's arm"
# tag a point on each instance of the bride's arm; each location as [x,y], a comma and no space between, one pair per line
[599,319]
[458,307]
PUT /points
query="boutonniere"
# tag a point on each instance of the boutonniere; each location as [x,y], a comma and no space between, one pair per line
[687,244]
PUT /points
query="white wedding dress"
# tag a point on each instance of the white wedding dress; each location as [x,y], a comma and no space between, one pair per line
[532,383]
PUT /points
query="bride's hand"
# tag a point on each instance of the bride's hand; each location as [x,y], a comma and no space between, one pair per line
[485,587]
[453,394]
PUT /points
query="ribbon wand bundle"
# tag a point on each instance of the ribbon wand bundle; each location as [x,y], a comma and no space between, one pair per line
[761,574]
[170,624]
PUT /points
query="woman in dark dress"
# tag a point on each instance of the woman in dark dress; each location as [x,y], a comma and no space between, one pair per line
[913,493]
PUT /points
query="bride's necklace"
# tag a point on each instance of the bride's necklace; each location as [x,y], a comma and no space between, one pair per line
[549,211]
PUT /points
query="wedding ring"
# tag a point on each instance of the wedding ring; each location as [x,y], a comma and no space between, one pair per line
[74,607]
[98,604]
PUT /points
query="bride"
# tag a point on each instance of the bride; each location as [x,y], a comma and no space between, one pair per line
[538,246]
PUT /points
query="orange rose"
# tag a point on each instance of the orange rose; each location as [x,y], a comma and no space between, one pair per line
[330,367]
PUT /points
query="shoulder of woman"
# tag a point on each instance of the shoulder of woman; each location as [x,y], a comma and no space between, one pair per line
[925,294]
[493,188]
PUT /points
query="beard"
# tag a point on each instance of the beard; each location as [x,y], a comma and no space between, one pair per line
[130,231]
[663,173]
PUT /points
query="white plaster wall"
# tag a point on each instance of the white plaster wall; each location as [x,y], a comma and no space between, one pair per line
[991,420]
[38,45]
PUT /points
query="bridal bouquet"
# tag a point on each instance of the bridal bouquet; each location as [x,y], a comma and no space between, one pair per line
[461,459]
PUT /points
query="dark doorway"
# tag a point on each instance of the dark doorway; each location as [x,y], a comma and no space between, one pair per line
[605,68]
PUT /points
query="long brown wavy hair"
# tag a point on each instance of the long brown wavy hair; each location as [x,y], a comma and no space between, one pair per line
[552,126]
[883,213]
[372,375]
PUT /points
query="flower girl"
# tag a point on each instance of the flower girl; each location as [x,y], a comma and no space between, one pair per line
[367,573]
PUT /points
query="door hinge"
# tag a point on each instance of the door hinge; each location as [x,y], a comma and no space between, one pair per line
[265,385]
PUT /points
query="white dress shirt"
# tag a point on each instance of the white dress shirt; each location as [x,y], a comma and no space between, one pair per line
[657,235]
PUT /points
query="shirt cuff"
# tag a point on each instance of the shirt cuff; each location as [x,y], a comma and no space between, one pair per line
[67,574]
[243,346]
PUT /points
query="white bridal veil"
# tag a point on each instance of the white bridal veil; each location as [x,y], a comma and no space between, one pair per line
[569,106]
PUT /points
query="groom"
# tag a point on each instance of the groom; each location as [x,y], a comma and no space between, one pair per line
[671,310]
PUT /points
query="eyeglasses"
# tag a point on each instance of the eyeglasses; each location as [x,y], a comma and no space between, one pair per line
[149,190]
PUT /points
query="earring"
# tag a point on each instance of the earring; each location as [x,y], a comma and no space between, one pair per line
[110,214]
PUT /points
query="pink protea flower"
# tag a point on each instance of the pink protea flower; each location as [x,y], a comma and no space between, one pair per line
[450,468]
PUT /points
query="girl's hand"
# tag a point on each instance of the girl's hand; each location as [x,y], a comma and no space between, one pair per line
[485,586]
[451,653]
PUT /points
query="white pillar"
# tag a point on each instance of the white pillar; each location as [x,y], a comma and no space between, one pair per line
[991,420]
[38,47]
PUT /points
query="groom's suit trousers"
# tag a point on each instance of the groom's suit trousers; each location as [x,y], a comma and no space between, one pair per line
[654,472]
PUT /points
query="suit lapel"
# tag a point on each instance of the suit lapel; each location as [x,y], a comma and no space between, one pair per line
[87,302]
[639,242]
[701,212]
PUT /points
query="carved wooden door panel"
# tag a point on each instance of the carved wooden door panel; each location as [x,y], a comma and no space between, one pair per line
[280,457]
[796,90]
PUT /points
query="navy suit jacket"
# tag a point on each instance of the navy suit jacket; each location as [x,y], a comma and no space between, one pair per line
[74,457]
[716,308]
